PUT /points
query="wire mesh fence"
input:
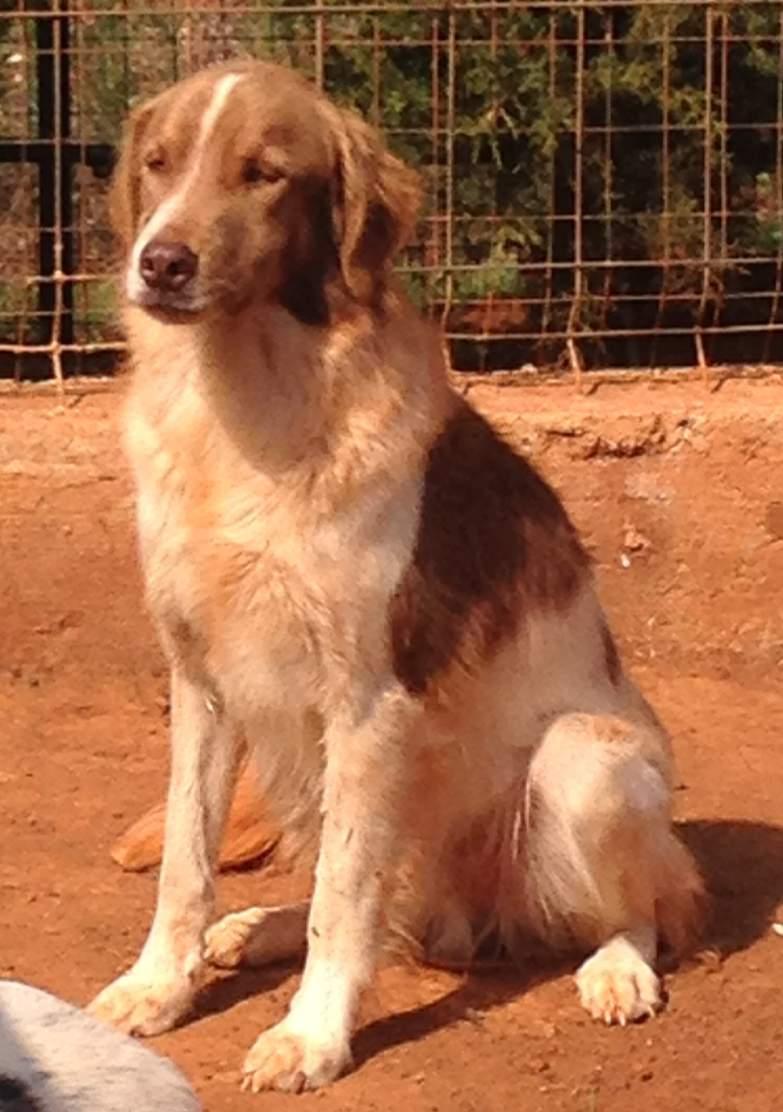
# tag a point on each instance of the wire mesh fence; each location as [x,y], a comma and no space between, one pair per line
[604,180]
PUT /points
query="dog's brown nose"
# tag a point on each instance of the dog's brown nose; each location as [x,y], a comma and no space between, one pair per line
[167,266]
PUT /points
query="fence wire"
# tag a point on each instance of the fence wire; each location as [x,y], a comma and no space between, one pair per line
[604,181]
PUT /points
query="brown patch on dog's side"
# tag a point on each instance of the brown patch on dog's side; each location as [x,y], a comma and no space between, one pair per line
[494,541]
[614,668]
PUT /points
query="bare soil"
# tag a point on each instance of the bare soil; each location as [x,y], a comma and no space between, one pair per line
[678,492]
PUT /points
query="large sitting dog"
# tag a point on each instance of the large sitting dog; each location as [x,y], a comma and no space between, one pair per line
[362,587]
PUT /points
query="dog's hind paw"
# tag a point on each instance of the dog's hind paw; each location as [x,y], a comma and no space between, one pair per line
[257,936]
[226,941]
[616,985]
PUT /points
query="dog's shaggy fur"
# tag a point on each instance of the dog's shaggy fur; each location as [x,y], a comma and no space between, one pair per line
[54,1058]
[362,587]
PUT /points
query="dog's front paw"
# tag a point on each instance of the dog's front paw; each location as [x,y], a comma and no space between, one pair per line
[292,1062]
[617,985]
[138,1005]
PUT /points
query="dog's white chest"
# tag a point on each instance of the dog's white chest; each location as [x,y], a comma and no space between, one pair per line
[278,602]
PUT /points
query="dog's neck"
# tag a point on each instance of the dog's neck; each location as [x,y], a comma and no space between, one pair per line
[297,399]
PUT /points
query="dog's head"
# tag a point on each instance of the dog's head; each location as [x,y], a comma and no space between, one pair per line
[244,182]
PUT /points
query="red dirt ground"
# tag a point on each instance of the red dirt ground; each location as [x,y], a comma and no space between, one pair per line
[677,490]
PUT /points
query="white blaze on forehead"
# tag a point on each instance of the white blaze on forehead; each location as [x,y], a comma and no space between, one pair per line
[163,215]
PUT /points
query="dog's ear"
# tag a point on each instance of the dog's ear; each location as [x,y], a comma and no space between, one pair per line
[376,202]
[125,194]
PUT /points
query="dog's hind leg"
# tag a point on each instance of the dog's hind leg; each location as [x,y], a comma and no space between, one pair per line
[258,935]
[158,990]
[605,868]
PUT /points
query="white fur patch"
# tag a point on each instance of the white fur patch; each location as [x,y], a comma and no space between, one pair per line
[134,283]
[618,984]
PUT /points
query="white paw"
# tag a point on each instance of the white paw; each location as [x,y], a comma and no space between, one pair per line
[226,940]
[617,985]
[257,935]
[138,1005]
[292,1062]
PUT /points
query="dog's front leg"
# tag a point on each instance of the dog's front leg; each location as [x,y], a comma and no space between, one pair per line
[157,991]
[367,762]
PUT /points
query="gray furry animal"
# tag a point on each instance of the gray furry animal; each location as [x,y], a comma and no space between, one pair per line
[56,1058]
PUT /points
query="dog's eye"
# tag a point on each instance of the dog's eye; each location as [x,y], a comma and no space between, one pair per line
[155,161]
[254,172]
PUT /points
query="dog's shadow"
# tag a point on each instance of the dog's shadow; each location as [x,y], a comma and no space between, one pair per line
[742,863]
[227,989]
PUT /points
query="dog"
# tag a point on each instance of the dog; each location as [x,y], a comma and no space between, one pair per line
[54,1058]
[363,591]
